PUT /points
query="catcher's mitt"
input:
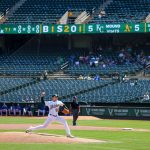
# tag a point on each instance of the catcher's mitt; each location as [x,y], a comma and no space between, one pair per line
[64,110]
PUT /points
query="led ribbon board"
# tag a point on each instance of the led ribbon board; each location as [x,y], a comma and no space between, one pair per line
[75,29]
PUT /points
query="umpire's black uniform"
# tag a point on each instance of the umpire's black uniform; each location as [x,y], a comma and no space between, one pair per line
[75,109]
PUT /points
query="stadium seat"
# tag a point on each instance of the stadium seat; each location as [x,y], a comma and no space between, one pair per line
[62,87]
[45,11]
[118,93]
[124,11]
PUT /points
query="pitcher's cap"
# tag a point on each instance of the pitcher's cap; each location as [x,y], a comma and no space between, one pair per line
[55,95]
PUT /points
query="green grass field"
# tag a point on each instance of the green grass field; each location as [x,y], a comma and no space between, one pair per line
[117,140]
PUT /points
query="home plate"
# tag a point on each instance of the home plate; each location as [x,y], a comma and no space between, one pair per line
[21,137]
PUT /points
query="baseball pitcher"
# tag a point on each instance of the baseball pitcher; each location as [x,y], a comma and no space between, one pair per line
[54,107]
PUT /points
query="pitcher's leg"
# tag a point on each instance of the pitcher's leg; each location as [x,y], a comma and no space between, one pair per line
[46,123]
[64,122]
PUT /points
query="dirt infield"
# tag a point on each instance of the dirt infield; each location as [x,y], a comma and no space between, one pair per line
[60,127]
[21,137]
[65,117]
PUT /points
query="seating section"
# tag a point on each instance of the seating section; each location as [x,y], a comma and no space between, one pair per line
[125,11]
[123,92]
[31,65]
[8,83]
[104,91]
[6,4]
[105,64]
[147,72]
[80,63]
[108,70]
[27,65]
[62,87]
[49,11]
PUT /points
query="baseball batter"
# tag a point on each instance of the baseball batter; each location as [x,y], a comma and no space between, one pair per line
[53,116]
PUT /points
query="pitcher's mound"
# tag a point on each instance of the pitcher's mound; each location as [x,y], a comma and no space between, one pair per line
[21,137]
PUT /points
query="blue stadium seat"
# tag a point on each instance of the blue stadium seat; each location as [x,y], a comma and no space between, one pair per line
[49,11]
[124,11]
[118,93]
[62,87]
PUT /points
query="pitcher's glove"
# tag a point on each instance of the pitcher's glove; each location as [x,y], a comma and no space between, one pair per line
[64,110]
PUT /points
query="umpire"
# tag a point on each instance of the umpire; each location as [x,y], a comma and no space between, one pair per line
[75,110]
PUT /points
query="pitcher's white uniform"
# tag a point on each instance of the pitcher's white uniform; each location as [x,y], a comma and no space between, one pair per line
[53,116]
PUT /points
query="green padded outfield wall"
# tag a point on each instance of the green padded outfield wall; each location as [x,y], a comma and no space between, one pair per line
[115,111]
[75,29]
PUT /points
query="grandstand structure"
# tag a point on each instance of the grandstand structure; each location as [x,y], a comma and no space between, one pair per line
[31,63]
[41,11]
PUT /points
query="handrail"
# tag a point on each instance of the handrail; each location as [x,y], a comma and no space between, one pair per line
[147,18]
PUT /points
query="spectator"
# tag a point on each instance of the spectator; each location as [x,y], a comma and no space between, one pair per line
[27,98]
[81,59]
[97,78]
[93,10]
[87,77]
[125,78]
[41,77]
[5,109]
[101,13]
[132,83]
[92,61]
[27,110]
[104,65]
[41,109]
[45,74]
[0,109]
[136,82]
[81,77]
[146,97]
[115,76]
[18,109]
[96,62]
[121,55]
[86,59]
[77,63]
[12,109]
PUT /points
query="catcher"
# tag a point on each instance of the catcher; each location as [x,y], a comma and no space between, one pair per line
[54,106]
